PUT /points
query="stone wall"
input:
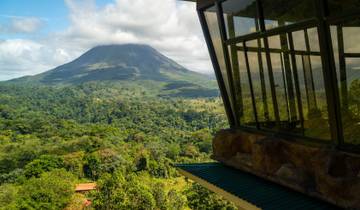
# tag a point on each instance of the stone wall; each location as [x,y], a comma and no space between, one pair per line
[324,173]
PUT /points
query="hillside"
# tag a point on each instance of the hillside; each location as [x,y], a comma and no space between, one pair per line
[129,65]
[54,137]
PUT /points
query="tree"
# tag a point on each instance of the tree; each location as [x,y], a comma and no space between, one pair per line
[43,164]
[354,95]
[110,192]
[139,197]
[202,199]
[158,191]
[53,190]
[175,200]
[73,162]
[105,132]
[92,166]
[173,151]
[8,195]
[114,192]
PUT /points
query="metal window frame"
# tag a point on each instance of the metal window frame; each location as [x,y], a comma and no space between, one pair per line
[296,81]
[218,74]
[322,22]
[329,74]
[223,35]
[253,101]
[337,20]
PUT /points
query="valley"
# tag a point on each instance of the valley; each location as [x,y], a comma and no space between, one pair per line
[121,128]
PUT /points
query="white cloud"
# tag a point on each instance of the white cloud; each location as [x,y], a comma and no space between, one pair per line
[169,26]
[26,25]
[21,25]
[23,57]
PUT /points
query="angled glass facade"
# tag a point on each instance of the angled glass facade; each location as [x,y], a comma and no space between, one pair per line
[290,68]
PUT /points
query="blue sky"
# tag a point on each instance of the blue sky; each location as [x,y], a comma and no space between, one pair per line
[37,35]
[54,13]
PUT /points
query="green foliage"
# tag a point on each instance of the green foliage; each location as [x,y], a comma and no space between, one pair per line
[175,200]
[14,176]
[92,168]
[202,199]
[52,190]
[73,162]
[139,197]
[117,193]
[8,195]
[43,164]
[52,137]
[110,194]
[158,191]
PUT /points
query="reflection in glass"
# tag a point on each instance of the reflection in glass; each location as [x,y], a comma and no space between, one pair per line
[313,96]
[213,25]
[312,39]
[346,45]
[298,84]
[257,78]
[299,40]
[247,117]
[240,17]
[352,36]
[284,81]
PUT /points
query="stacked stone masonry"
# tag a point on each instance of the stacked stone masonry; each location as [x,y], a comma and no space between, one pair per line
[325,173]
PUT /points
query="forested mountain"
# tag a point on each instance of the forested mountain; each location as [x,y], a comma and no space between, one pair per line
[129,64]
[120,116]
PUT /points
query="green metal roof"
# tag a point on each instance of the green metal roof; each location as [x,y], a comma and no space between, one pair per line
[257,191]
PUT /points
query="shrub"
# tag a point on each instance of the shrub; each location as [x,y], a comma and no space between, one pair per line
[52,190]
[43,164]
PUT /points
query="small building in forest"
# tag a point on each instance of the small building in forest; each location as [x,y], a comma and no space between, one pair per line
[289,76]
[85,187]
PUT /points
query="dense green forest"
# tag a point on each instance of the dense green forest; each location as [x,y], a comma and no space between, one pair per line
[123,138]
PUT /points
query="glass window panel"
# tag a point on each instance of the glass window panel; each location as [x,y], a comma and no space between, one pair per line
[261,85]
[284,12]
[313,96]
[346,45]
[274,42]
[280,85]
[247,117]
[351,39]
[302,86]
[233,55]
[313,39]
[310,82]
[256,80]
[268,101]
[254,43]
[213,25]
[351,118]
[284,81]
[299,40]
[240,17]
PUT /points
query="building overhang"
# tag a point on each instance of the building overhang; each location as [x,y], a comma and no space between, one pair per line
[201,3]
[247,191]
